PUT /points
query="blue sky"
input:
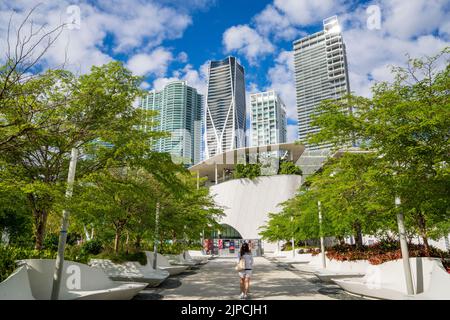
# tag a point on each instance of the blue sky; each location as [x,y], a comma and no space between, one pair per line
[174,39]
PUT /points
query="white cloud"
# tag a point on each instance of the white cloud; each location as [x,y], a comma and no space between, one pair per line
[127,24]
[195,78]
[160,83]
[405,19]
[182,57]
[304,12]
[154,63]
[145,85]
[271,21]
[282,80]
[370,53]
[246,41]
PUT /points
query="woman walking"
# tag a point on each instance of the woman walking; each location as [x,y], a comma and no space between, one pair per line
[245,274]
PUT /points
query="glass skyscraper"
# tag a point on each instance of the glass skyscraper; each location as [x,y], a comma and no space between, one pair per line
[180,109]
[268,119]
[320,73]
[225,123]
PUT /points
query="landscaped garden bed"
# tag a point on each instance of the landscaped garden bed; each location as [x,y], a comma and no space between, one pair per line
[383,251]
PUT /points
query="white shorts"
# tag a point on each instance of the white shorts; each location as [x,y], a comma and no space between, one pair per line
[245,273]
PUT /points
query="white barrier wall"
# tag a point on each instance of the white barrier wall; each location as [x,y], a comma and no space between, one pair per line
[247,202]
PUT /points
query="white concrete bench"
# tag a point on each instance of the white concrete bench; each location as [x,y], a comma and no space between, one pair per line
[387,280]
[439,285]
[164,264]
[342,269]
[130,271]
[199,253]
[299,258]
[312,266]
[33,280]
[178,259]
[199,258]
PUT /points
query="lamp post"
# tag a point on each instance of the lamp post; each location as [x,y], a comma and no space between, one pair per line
[155,241]
[322,246]
[59,265]
[404,248]
[278,241]
[292,240]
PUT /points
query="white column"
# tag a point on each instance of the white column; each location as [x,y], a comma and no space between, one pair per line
[59,264]
[404,249]
[322,245]
[216,175]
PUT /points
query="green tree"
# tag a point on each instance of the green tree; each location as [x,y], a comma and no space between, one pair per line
[249,170]
[405,124]
[288,167]
[93,113]
[404,128]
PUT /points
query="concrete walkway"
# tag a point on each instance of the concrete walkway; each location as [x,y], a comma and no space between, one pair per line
[218,280]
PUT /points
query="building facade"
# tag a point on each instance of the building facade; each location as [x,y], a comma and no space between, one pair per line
[180,109]
[267,119]
[320,73]
[225,122]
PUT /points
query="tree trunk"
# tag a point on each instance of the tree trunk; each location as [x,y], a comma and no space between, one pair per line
[137,244]
[423,233]
[358,235]
[40,223]
[117,240]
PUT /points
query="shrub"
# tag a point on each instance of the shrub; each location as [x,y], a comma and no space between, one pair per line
[121,257]
[76,253]
[194,246]
[93,246]
[9,255]
[288,167]
[51,241]
[380,252]
[172,248]
[250,171]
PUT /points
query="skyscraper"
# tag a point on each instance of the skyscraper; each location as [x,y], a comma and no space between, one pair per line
[268,119]
[225,107]
[180,110]
[320,73]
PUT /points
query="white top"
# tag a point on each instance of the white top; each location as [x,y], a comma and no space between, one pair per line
[248,257]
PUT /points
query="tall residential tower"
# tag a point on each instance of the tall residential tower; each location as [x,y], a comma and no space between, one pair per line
[268,119]
[320,73]
[225,107]
[180,109]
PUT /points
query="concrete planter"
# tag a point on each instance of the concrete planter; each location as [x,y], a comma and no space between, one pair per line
[386,280]
[34,277]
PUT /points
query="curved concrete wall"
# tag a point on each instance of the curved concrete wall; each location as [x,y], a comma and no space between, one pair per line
[247,202]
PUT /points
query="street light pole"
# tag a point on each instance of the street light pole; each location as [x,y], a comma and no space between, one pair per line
[59,265]
[322,246]
[155,241]
[292,240]
[404,248]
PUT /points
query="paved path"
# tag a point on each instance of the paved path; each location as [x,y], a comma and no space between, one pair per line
[218,280]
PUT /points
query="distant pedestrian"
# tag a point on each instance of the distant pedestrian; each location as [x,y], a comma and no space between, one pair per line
[245,274]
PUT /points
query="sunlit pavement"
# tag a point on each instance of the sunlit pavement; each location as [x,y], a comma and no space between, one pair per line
[219,280]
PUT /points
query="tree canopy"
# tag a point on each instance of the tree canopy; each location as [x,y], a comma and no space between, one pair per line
[402,132]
